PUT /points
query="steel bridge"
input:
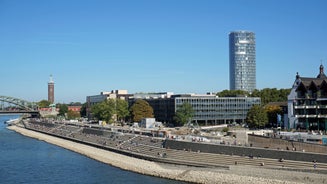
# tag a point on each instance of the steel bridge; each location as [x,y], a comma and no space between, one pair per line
[18,106]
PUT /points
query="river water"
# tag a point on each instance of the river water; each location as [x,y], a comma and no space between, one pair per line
[28,160]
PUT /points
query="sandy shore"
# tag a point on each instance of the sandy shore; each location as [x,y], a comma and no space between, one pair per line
[236,174]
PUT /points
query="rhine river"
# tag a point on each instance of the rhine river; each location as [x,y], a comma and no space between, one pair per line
[28,160]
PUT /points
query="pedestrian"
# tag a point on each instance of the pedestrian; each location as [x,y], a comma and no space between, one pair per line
[314,164]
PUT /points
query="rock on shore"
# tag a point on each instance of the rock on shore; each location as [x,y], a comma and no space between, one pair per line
[236,174]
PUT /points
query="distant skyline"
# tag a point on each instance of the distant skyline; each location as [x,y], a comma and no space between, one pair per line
[179,46]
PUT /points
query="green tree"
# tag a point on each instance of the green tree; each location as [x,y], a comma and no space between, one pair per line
[256,117]
[83,110]
[104,110]
[43,104]
[63,109]
[73,115]
[184,113]
[271,95]
[75,104]
[141,109]
[256,93]
[272,111]
[96,110]
[121,109]
[232,93]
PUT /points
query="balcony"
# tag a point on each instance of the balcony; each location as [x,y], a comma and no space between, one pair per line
[310,106]
[322,116]
[300,107]
[300,116]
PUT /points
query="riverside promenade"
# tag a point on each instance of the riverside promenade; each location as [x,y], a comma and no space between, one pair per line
[145,155]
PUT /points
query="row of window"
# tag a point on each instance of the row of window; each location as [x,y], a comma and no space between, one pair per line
[218,100]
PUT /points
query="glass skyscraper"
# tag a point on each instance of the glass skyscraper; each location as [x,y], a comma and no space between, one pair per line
[242,64]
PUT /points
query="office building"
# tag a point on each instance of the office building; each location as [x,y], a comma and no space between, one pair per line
[213,110]
[208,109]
[242,61]
[113,94]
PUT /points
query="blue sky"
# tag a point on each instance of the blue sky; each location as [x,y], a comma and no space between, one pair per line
[179,46]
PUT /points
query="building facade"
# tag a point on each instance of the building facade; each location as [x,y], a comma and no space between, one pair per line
[208,109]
[94,99]
[307,103]
[163,109]
[242,61]
[51,90]
[161,103]
[213,110]
[75,108]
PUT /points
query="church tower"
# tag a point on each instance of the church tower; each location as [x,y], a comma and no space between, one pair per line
[51,90]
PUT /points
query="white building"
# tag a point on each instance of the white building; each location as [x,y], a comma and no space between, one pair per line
[114,94]
[149,123]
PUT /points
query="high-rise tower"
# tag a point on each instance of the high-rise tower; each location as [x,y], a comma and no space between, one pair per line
[242,62]
[51,90]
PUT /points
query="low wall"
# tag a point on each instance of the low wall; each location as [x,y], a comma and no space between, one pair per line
[93,131]
[276,143]
[124,152]
[245,151]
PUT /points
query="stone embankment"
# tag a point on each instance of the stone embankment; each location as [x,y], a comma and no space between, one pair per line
[233,174]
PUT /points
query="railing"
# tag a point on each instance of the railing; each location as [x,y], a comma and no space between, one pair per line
[299,106]
[300,116]
[310,106]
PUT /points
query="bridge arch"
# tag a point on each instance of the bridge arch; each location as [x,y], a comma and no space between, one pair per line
[25,105]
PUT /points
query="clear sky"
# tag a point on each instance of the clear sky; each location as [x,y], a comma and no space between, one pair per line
[179,46]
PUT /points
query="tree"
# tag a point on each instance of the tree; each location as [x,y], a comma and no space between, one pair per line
[63,109]
[75,104]
[267,94]
[73,115]
[232,93]
[104,110]
[121,110]
[83,110]
[141,109]
[272,112]
[184,113]
[43,104]
[271,95]
[256,117]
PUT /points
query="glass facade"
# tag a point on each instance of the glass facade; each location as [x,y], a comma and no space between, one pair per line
[242,61]
[208,109]
[218,110]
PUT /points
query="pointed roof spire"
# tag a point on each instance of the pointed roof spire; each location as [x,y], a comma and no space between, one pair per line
[297,75]
[321,72]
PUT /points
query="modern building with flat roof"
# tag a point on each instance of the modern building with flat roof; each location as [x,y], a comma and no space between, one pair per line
[114,94]
[213,110]
[242,61]
[208,109]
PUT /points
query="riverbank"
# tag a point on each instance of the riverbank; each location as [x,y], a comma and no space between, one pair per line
[236,174]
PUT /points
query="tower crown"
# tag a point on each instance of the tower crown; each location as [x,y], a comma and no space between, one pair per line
[51,79]
[321,72]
